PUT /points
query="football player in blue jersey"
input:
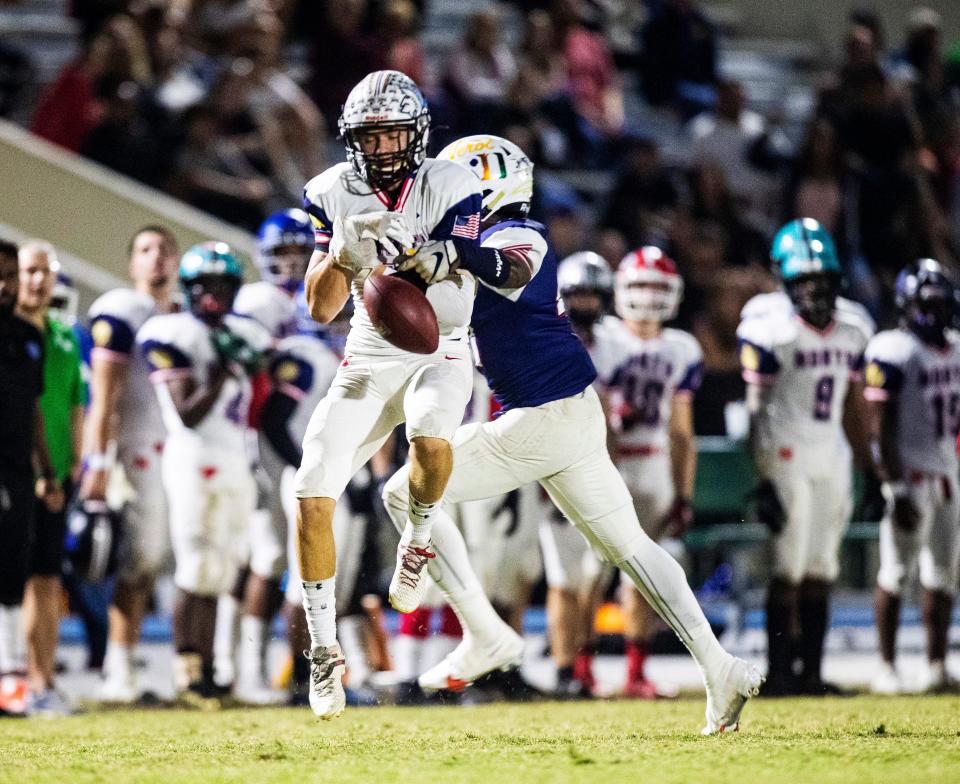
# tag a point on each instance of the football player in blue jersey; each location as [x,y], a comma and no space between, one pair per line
[552,430]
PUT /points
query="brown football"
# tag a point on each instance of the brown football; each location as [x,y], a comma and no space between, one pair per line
[401,313]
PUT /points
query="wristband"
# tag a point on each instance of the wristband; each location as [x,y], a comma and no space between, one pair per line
[97,461]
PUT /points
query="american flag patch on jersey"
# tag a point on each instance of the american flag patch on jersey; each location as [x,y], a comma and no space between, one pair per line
[466,227]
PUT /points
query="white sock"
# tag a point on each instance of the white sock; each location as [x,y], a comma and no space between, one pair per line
[421,519]
[12,639]
[350,634]
[253,643]
[406,651]
[662,582]
[453,573]
[226,640]
[118,660]
[318,602]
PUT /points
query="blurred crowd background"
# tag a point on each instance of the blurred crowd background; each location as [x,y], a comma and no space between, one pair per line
[647,120]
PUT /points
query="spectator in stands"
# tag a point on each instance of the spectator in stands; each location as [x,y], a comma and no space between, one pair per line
[678,63]
[479,71]
[815,186]
[397,28]
[725,138]
[68,109]
[23,451]
[289,121]
[342,53]
[62,402]
[594,83]
[213,174]
[124,139]
[644,193]
[16,75]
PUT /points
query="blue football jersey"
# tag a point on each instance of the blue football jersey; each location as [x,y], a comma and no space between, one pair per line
[528,350]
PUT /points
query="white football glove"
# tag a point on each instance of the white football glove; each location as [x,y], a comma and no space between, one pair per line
[434,261]
[362,242]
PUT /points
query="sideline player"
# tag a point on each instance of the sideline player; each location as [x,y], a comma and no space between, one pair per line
[123,410]
[803,366]
[284,244]
[200,363]
[385,124]
[552,430]
[913,389]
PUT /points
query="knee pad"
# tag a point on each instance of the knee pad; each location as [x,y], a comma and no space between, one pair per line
[892,578]
[937,577]
[205,572]
[267,547]
[616,535]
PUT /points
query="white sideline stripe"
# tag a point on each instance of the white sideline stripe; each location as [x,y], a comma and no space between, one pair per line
[84,272]
[127,188]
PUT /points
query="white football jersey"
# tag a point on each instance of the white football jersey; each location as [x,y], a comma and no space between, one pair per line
[809,372]
[303,367]
[270,306]
[608,348]
[925,382]
[646,376]
[440,201]
[777,301]
[180,345]
[115,319]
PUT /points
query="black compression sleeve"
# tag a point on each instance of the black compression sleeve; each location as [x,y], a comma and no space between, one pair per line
[273,421]
[487,264]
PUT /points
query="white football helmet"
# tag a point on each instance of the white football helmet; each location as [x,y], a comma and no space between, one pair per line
[503,168]
[648,288]
[585,273]
[385,100]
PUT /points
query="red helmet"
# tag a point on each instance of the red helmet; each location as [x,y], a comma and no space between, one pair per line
[649,288]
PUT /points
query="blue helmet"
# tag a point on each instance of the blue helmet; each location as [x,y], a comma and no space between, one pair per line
[804,247]
[210,275]
[927,299]
[289,231]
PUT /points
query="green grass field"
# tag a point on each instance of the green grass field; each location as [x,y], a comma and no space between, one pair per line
[861,739]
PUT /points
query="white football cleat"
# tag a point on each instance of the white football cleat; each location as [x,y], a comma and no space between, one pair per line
[726,696]
[258,694]
[934,679]
[469,661]
[327,698]
[886,681]
[120,689]
[408,583]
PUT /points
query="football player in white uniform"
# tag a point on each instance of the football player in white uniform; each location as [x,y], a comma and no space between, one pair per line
[386,199]
[803,368]
[913,389]
[200,363]
[123,410]
[552,430]
[284,245]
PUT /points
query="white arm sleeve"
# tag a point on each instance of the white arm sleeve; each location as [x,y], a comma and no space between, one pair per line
[452,300]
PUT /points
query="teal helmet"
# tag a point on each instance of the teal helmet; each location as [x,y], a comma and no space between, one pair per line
[806,258]
[210,275]
[804,247]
